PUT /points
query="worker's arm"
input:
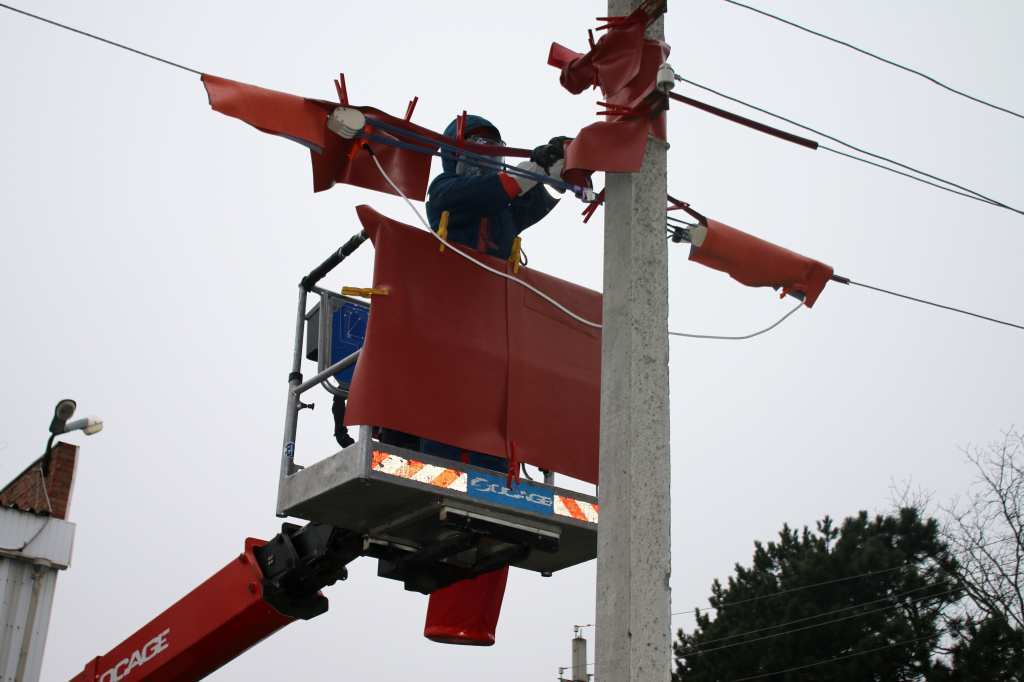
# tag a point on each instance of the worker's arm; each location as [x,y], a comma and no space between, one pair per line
[475,195]
[531,207]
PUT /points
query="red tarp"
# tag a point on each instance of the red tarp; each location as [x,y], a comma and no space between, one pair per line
[461,356]
[757,263]
[305,121]
[624,65]
[335,159]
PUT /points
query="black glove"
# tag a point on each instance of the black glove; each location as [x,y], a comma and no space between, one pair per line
[547,154]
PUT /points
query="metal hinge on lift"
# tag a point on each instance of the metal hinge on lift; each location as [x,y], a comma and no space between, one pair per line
[452,544]
[300,560]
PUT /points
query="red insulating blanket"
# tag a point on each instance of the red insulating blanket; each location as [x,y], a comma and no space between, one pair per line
[304,120]
[758,263]
[462,356]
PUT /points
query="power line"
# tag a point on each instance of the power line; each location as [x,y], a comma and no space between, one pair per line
[804,619]
[879,58]
[699,651]
[970,192]
[912,177]
[845,280]
[101,39]
[745,336]
[797,589]
[857,576]
[836,658]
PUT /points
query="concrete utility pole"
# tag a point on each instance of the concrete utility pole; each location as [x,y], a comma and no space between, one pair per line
[579,657]
[633,559]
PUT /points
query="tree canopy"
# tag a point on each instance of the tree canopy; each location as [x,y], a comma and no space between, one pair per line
[869,594]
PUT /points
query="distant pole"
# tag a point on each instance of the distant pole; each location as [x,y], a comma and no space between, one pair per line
[579,657]
[633,639]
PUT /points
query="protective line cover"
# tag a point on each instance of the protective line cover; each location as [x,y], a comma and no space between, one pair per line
[758,263]
[461,356]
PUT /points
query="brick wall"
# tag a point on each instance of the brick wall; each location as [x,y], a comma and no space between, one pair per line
[27,492]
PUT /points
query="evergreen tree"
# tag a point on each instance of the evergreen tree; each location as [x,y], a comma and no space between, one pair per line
[797,605]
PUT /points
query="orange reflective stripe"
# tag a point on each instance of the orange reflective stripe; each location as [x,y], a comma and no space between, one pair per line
[446,478]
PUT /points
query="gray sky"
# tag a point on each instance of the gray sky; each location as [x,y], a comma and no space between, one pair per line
[151,250]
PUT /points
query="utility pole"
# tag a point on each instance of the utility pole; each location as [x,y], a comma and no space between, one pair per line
[579,656]
[633,639]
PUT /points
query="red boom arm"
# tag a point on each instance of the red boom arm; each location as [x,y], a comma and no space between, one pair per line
[205,629]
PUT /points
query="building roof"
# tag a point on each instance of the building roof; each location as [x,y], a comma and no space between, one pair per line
[44,489]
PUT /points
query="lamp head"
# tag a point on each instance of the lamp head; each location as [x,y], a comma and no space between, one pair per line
[61,414]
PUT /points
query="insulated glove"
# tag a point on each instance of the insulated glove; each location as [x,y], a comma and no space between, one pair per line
[526,184]
[556,172]
[547,154]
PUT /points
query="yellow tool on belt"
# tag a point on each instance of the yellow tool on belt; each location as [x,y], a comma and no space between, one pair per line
[442,229]
[515,257]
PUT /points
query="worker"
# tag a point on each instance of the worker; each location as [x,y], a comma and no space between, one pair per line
[487,209]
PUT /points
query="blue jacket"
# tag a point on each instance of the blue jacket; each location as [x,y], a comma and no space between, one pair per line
[480,212]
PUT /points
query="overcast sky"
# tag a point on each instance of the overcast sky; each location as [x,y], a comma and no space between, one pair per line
[151,250]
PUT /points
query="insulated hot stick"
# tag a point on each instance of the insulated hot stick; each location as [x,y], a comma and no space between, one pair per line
[474,158]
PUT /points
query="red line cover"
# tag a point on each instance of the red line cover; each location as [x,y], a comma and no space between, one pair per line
[758,263]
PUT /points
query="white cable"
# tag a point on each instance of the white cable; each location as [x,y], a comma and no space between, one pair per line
[480,264]
[540,293]
[740,338]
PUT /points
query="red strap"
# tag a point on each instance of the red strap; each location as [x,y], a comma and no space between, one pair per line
[513,467]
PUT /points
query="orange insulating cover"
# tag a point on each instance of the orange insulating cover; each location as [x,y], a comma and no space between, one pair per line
[305,121]
[462,356]
[467,612]
[757,263]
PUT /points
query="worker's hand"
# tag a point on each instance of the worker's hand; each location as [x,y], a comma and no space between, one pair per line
[526,184]
[547,154]
[556,172]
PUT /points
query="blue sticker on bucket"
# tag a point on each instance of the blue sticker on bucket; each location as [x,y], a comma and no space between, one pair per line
[524,495]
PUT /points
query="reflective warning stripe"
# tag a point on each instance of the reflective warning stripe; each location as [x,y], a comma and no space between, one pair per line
[421,472]
[576,509]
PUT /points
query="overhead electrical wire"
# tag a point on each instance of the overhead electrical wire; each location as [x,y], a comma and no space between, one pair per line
[879,58]
[700,651]
[969,193]
[102,39]
[745,336]
[677,231]
[857,576]
[846,280]
[868,574]
[966,191]
[822,615]
[826,661]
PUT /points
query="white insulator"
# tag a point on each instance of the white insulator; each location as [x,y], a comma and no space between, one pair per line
[346,122]
[666,79]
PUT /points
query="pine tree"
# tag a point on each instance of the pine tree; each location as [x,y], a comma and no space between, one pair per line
[797,605]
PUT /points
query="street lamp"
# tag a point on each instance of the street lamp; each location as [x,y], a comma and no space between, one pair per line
[64,410]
